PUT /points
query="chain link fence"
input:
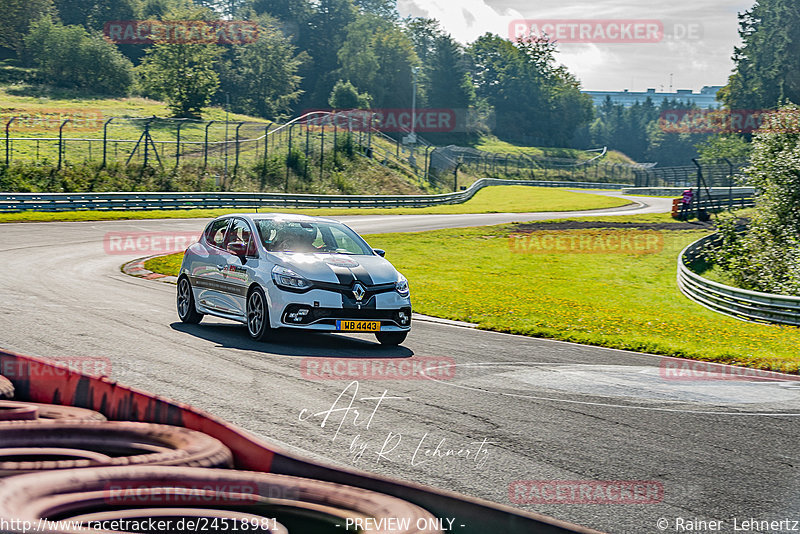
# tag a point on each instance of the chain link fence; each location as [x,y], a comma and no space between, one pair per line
[309,147]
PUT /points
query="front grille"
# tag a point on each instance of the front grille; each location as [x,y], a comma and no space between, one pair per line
[330,315]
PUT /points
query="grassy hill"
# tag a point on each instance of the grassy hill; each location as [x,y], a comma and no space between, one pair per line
[493,144]
[41,111]
[212,154]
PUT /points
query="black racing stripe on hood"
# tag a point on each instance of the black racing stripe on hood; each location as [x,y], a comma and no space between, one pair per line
[343,274]
[346,278]
[362,275]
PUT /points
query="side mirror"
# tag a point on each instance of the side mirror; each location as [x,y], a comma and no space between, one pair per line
[379,252]
[237,248]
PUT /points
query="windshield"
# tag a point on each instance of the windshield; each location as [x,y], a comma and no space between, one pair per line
[310,237]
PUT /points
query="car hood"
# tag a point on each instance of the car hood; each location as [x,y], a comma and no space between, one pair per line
[337,268]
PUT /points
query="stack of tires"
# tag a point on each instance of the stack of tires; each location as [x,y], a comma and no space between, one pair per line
[66,469]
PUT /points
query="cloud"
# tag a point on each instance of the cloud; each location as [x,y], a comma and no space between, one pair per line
[703,59]
[465,20]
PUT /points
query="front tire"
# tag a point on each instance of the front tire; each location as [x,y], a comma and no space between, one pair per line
[257,315]
[391,338]
[187,311]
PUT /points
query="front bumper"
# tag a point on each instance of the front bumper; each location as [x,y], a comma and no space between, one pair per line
[304,316]
[323,308]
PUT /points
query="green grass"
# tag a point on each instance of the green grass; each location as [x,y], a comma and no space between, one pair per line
[612,300]
[27,98]
[620,301]
[493,144]
[495,199]
[169,265]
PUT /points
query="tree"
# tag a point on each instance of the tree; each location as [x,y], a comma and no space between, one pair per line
[107,10]
[530,95]
[69,56]
[448,82]
[227,9]
[724,146]
[574,108]
[670,148]
[638,132]
[158,9]
[767,256]
[377,57]
[423,34]
[261,77]
[16,19]
[93,14]
[386,9]
[346,96]
[182,73]
[766,73]
[292,15]
[322,37]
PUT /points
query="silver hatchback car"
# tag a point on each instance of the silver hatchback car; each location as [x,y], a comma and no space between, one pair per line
[277,270]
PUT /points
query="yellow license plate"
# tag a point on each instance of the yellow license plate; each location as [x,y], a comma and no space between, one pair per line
[358,326]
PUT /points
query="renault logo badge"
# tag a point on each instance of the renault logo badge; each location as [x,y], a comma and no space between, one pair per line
[359,291]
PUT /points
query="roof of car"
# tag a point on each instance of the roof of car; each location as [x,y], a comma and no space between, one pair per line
[281,216]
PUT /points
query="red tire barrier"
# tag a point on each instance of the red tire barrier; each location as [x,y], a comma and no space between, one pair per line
[115,491]
[15,411]
[45,412]
[124,442]
[51,412]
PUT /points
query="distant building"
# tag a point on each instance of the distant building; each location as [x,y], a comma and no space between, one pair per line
[705,99]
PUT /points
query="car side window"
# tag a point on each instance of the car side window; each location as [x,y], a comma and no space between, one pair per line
[240,231]
[215,233]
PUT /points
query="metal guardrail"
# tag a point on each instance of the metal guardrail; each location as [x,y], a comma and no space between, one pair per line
[723,202]
[16,202]
[732,301]
[716,192]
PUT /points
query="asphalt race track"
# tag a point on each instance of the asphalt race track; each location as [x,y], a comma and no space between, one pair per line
[525,409]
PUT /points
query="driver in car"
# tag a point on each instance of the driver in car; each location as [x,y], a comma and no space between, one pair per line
[296,239]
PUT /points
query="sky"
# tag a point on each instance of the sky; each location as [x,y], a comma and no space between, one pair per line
[695,50]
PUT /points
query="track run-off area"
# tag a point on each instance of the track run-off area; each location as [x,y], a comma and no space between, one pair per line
[489,410]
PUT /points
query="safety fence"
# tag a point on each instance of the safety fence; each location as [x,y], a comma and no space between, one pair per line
[310,146]
[719,174]
[590,165]
[16,202]
[712,203]
[732,301]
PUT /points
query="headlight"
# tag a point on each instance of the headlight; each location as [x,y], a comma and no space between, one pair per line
[401,286]
[287,278]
